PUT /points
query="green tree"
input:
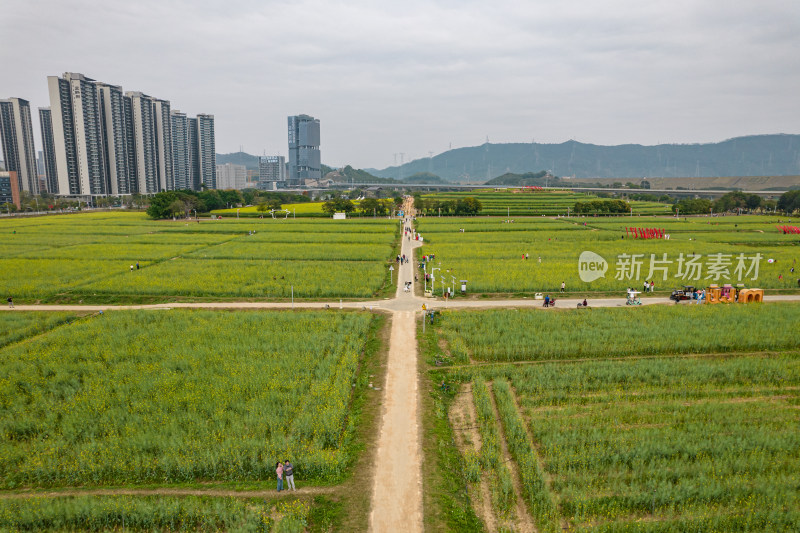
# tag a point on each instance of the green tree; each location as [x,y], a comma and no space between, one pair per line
[789,202]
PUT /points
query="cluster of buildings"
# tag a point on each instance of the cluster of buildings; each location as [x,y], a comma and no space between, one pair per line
[304,167]
[99,140]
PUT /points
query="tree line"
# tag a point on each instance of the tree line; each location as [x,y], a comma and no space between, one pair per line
[459,207]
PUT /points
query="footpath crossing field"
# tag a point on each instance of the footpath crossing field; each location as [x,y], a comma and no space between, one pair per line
[70,258]
[665,418]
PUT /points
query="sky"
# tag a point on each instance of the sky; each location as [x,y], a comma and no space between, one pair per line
[418,77]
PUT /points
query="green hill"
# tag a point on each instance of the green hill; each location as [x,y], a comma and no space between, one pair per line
[757,155]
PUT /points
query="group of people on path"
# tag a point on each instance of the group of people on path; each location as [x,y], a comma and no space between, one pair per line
[649,286]
[402,259]
[285,470]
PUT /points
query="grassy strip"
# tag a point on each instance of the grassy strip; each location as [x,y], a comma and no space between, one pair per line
[491,454]
[446,504]
[534,485]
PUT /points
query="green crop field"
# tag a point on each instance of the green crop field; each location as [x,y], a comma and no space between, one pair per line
[489,253]
[177,396]
[88,257]
[675,419]
[519,202]
[150,513]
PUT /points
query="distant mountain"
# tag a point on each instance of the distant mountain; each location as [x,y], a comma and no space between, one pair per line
[239,158]
[527,179]
[756,155]
[349,174]
[423,177]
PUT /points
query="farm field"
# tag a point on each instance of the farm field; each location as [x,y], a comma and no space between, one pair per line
[519,202]
[88,257]
[179,398]
[489,252]
[585,432]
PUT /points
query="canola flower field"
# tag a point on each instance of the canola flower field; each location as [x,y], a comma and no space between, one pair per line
[489,253]
[181,396]
[624,432]
[88,257]
[530,335]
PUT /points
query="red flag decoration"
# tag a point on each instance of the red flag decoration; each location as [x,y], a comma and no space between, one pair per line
[645,233]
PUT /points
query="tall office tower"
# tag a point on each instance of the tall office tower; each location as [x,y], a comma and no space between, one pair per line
[181,152]
[144,142]
[16,135]
[271,168]
[49,152]
[39,161]
[77,135]
[163,128]
[206,151]
[304,155]
[115,145]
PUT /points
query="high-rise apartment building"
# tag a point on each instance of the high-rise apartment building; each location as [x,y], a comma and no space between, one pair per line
[77,135]
[206,151]
[48,152]
[144,142]
[163,128]
[231,176]
[16,136]
[272,171]
[182,152]
[115,145]
[105,141]
[304,154]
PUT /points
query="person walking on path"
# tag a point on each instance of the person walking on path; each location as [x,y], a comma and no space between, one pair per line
[279,472]
[547,301]
[288,471]
[563,286]
[11,302]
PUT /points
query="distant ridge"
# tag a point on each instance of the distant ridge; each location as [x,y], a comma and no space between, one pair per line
[755,155]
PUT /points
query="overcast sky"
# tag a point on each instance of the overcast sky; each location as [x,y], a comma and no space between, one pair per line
[414,76]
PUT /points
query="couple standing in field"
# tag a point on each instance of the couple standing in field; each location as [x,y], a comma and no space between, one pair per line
[285,470]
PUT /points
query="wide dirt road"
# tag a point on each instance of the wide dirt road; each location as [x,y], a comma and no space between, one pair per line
[397,487]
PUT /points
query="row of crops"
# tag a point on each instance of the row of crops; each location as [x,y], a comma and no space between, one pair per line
[178,396]
[490,253]
[151,513]
[89,256]
[654,419]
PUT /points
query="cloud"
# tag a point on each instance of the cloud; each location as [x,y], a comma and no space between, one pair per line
[388,77]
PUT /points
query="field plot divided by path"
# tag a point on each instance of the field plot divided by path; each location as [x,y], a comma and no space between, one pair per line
[179,398]
[626,440]
[72,258]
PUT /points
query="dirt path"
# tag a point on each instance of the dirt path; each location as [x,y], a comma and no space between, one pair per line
[397,487]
